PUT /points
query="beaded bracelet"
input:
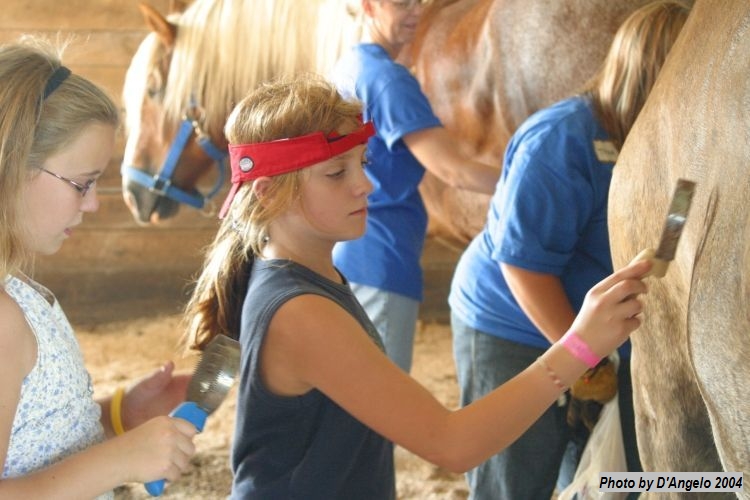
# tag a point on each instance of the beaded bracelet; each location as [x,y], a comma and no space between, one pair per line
[115,411]
[555,378]
[579,349]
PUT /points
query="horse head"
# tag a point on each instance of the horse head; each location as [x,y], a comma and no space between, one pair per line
[171,143]
[190,71]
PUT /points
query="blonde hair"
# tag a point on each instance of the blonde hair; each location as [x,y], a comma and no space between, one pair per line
[223,48]
[32,128]
[638,51]
[282,109]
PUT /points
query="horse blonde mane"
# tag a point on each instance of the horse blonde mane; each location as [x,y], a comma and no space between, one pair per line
[225,48]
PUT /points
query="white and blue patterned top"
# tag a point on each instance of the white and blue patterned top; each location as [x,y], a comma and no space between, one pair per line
[56,415]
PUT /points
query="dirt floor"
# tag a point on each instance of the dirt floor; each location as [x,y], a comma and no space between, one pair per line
[118,352]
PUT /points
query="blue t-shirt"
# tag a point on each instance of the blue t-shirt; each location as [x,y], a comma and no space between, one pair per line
[548,215]
[387,257]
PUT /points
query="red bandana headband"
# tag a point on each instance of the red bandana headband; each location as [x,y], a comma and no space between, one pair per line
[266,159]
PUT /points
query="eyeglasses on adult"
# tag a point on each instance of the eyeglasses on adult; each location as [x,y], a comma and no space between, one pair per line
[407,4]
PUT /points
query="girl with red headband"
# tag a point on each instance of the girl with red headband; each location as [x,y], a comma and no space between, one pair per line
[319,403]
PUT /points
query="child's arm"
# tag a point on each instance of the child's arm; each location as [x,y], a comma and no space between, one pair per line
[314,343]
[156,394]
[17,358]
[161,448]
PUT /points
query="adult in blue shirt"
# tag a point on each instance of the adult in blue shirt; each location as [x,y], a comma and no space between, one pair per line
[520,282]
[384,265]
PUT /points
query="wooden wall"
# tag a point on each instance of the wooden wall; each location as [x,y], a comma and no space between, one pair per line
[111,268]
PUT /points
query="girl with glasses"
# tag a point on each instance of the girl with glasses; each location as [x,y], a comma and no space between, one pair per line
[57,133]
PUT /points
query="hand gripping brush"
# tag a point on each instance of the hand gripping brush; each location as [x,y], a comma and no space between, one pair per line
[209,385]
[670,236]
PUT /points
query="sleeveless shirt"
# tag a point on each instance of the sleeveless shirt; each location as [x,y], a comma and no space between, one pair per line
[56,415]
[304,447]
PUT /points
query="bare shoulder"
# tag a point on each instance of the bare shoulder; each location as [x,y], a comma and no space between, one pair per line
[17,358]
[312,338]
[314,343]
[17,341]
[316,318]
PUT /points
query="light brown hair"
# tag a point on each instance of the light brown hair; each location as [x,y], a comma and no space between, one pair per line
[620,87]
[32,128]
[277,110]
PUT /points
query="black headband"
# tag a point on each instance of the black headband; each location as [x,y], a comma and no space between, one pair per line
[55,80]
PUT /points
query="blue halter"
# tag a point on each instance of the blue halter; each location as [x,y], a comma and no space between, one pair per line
[161,183]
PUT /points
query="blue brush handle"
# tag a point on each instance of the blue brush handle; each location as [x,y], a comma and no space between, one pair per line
[195,415]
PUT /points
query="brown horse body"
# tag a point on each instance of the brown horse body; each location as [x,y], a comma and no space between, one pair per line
[691,356]
[486,65]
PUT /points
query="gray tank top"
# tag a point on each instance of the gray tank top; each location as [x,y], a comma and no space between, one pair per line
[304,447]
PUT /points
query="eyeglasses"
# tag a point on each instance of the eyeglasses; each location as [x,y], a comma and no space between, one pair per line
[407,4]
[81,188]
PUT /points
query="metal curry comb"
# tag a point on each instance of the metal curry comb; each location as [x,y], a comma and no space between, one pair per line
[213,377]
[673,226]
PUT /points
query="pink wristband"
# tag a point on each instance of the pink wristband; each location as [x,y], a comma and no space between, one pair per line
[579,349]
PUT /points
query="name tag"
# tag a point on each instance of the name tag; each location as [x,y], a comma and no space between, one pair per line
[605,151]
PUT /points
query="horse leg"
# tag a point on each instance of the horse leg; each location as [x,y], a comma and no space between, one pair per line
[719,347]
[671,420]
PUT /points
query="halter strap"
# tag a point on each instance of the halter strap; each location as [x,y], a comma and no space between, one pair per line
[161,182]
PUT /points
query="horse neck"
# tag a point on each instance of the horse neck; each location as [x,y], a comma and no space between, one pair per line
[225,48]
